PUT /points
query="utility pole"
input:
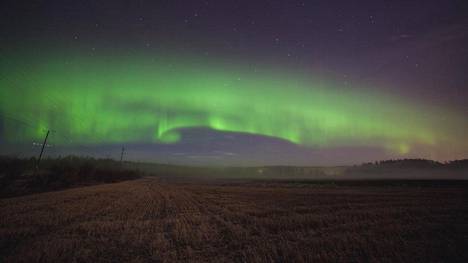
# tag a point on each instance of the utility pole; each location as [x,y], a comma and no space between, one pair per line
[42,149]
[122,154]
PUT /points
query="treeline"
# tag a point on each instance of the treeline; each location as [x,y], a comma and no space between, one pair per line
[21,176]
[417,163]
[411,169]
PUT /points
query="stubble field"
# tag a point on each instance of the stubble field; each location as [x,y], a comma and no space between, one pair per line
[152,220]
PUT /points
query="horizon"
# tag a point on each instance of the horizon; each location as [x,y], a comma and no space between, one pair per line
[188,165]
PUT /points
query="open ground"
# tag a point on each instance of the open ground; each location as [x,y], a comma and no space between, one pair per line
[153,219]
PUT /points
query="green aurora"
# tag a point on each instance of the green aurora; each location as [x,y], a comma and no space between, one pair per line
[148,98]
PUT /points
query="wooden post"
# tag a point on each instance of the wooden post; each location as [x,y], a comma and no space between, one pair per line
[40,155]
[122,154]
[42,149]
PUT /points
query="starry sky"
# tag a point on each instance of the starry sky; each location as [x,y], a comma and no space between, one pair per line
[235,82]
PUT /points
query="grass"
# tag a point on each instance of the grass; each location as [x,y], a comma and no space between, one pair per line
[155,220]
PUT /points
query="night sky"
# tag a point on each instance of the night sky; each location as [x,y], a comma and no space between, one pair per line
[235,82]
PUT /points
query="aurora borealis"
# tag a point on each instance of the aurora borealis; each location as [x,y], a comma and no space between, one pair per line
[149,96]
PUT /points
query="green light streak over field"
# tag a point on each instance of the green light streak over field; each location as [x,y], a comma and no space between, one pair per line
[147,98]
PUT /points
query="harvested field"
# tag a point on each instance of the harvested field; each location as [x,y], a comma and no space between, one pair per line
[152,220]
